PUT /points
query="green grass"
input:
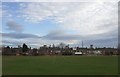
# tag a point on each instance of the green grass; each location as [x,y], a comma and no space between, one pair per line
[60,65]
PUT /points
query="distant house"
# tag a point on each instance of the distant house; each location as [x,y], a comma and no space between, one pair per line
[78,53]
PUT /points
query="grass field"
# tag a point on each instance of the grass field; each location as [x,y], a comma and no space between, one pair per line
[60,65]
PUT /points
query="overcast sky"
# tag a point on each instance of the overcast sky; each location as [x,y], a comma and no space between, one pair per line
[39,23]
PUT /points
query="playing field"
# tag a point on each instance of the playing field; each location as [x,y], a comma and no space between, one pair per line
[60,65]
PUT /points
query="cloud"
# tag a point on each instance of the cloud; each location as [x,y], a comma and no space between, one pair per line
[60,1]
[108,42]
[13,26]
[93,21]
[82,17]
[36,42]
[99,40]
[19,35]
[61,35]
[5,12]
[11,42]
[14,39]
[57,37]
[0,10]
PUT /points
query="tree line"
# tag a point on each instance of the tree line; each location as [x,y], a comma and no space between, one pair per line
[62,49]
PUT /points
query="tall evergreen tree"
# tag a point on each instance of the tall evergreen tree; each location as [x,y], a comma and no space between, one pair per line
[25,48]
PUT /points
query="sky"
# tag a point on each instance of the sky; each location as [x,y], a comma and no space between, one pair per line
[40,23]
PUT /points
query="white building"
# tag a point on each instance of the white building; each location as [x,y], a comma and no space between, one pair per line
[78,53]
